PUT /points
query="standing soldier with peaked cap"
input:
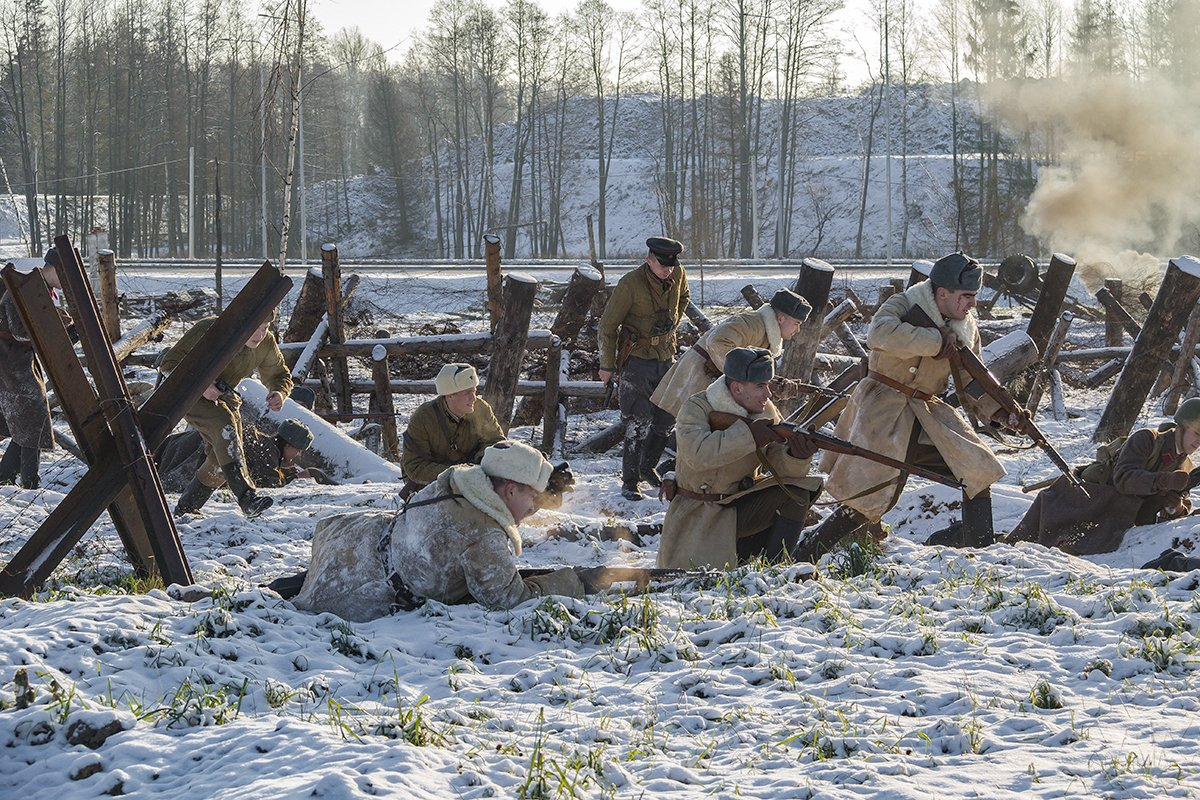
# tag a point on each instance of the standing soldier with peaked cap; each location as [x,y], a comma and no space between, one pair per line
[453,428]
[637,343]
[739,492]
[894,411]
[24,410]
[768,327]
[216,417]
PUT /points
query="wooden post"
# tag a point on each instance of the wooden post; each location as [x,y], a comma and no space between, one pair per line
[920,272]
[554,359]
[1103,373]
[1175,302]
[309,309]
[1044,373]
[603,440]
[107,264]
[698,318]
[886,290]
[517,297]
[1183,363]
[813,284]
[596,263]
[303,359]
[1050,299]
[1113,326]
[491,247]
[331,269]
[753,297]
[381,373]
[1057,404]
[1116,315]
[139,334]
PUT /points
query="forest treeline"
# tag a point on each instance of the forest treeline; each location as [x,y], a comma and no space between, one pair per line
[475,127]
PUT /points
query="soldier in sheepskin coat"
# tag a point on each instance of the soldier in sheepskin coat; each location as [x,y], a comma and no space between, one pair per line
[895,411]
[454,542]
[769,326]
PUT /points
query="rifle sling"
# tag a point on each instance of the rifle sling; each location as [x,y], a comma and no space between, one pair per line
[891,383]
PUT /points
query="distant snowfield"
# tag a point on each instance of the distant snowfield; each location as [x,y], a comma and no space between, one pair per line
[918,673]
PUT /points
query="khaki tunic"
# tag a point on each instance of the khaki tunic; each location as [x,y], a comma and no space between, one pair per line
[24,410]
[690,374]
[452,550]
[637,302]
[1063,516]
[436,440]
[880,418]
[698,533]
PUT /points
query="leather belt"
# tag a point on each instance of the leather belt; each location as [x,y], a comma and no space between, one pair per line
[916,394]
[710,367]
[701,496]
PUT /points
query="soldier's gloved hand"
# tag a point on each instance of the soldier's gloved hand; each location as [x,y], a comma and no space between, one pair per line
[1175,481]
[801,445]
[594,579]
[212,393]
[1018,422]
[561,479]
[784,389]
[275,401]
[763,433]
[949,344]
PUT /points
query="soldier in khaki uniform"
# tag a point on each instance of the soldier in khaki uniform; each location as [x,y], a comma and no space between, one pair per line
[637,339]
[768,327]
[895,410]
[727,507]
[453,428]
[215,416]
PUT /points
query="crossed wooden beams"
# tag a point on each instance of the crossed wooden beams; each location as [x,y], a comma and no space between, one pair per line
[116,438]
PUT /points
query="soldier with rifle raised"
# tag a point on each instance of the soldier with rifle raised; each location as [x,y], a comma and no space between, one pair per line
[637,347]
[895,411]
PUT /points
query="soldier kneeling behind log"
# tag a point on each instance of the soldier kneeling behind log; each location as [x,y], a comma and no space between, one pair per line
[1138,481]
[454,541]
[740,492]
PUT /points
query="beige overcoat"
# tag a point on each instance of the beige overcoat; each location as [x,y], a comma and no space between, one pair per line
[687,375]
[880,418]
[697,533]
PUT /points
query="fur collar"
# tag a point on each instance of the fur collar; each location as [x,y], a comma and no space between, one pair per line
[922,295]
[476,487]
[720,399]
[774,336]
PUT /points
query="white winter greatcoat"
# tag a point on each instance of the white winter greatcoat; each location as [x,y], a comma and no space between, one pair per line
[880,418]
[687,375]
[454,550]
[697,533]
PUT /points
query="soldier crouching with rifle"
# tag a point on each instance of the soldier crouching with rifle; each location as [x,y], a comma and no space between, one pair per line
[895,411]
[739,490]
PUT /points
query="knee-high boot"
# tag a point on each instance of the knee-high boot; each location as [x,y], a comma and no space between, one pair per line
[249,500]
[10,463]
[652,450]
[975,529]
[631,463]
[30,461]
[193,498]
[816,542]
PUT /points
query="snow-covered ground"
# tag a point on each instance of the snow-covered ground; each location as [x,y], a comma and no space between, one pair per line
[915,672]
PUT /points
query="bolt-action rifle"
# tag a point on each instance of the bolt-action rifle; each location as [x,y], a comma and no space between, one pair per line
[721,420]
[596,579]
[965,359]
[626,339]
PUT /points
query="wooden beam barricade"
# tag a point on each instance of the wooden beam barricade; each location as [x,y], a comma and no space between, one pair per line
[1185,364]
[1104,373]
[309,309]
[550,396]
[446,343]
[381,372]
[512,332]
[331,270]
[1044,374]
[753,298]
[1172,307]
[524,388]
[1113,326]
[106,477]
[491,252]
[698,317]
[1050,299]
[1116,316]
[106,263]
[302,360]
[813,284]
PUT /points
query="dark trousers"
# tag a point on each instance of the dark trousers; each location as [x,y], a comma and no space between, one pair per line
[639,379]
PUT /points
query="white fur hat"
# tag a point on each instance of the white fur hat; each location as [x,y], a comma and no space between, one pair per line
[517,461]
[454,378]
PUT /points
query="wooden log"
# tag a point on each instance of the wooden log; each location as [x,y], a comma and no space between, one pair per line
[698,317]
[303,363]
[593,390]
[550,398]
[886,290]
[1183,363]
[799,354]
[1006,358]
[581,290]
[106,262]
[840,314]
[1113,325]
[447,343]
[919,272]
[148,329]
[596,263]
[491,253]
[512,331]
[602,441]
[1104,373]
[752,296]
[1049,356]
[1050,299]
[1146,300]
[1116,315]
[381,373]
[1175,301]
[1057,403]
[834,362]
[310,308]
[331,270]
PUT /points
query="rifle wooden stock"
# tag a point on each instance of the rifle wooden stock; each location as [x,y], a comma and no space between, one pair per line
[721,420]
[971,364]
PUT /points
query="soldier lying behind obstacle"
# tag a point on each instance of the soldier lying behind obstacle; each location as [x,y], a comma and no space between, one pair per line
[24,409]
[215,416]
[1140,480]
[740,492]
[453,541]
